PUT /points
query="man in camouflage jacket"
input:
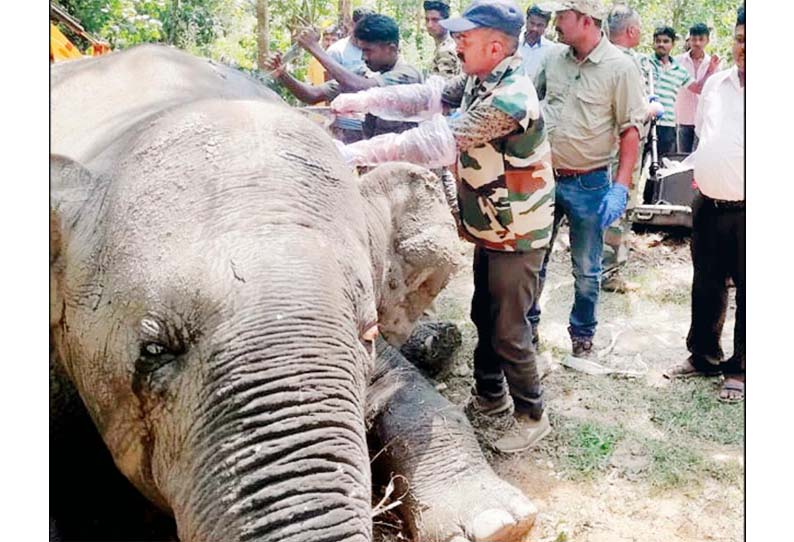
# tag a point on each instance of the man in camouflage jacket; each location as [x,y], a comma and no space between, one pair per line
[505,195]
[445,57]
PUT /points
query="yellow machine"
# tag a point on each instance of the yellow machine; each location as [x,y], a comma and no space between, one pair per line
[60,46]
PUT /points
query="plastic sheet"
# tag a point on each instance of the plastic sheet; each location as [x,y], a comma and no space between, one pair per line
[431,144]
[412,103]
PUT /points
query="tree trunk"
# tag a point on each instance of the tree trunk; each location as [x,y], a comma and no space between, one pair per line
[174,20]
[262,33]
[346,15]
[420,18]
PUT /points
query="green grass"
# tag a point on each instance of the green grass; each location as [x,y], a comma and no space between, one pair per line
[691,408]
[687,413]
[584,448]
[674,465]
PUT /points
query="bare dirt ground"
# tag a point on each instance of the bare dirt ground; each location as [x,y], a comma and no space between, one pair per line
[630,459]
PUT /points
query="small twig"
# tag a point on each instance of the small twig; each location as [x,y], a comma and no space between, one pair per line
[380,508]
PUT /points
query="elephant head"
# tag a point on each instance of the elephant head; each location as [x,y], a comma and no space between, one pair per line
[216,274]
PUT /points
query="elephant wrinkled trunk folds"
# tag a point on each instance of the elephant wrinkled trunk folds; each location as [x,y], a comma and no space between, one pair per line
[280,448]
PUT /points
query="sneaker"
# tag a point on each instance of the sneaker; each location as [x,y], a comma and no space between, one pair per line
[479,406]
[582,347]
[525,433]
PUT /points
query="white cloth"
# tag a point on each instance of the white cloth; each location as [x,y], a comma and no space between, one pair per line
[719,123]
[532,55]
[686,102]
[347,54]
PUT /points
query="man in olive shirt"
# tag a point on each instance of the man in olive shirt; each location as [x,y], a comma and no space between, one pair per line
[594,97]
[445,58]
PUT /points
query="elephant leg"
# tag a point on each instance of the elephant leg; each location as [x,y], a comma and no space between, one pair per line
[450,489]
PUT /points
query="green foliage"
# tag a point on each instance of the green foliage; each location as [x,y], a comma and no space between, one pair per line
[123,23]
[226,29]
[719,15]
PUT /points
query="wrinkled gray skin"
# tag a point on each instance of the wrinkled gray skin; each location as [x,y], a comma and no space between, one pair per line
[215,275]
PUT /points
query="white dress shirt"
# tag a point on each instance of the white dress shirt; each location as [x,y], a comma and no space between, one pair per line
[347,54]
[719,123]
[532,55]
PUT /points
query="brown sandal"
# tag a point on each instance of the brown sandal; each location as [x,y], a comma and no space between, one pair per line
[732,384]
[686,369]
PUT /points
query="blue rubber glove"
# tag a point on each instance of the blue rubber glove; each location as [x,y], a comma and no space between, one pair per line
[613,205]
[655,107]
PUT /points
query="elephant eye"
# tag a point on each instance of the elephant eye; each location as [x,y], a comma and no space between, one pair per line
[154,349]
[152,357]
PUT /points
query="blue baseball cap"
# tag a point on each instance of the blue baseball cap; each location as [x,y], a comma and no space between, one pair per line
[501,15]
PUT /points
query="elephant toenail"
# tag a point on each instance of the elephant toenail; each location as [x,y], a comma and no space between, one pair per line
[523,507]
[489,522]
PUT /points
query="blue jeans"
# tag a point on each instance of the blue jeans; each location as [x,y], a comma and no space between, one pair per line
[579,198]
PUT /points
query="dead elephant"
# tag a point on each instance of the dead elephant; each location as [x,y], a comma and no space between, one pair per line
[216,276]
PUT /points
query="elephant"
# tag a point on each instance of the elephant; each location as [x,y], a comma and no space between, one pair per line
[225,301]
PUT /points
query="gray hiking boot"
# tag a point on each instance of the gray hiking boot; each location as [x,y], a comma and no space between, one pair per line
[479,406]
[523,434]
[490,418]
[582,347]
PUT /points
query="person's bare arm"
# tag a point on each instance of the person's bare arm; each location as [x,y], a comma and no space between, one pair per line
[306,93]
[697,86]
[348,81]
[628,152]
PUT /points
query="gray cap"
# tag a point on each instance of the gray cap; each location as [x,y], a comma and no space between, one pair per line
[501,15]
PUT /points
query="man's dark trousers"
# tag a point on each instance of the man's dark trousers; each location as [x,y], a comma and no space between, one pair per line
[505,286]
[718,252]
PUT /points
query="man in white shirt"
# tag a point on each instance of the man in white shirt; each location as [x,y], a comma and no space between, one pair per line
[718,227]
[348,54]
[346,50]
[700,66]
[535,46]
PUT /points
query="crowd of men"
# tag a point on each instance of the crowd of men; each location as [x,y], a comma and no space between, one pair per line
[537,131]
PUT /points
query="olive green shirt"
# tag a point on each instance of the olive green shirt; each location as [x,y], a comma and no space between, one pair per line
[589,103]
[445,59]
[401,73]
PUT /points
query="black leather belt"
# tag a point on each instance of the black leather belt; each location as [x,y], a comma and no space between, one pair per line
[562,172]
[724,204]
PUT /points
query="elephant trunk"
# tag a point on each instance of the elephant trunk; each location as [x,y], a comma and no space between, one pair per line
[280,451]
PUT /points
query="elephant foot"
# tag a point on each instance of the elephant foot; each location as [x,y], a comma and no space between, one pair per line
[431,346]
[480,509]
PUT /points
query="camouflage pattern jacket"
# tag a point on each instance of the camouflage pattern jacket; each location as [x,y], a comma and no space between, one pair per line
[506,185]
[445,60]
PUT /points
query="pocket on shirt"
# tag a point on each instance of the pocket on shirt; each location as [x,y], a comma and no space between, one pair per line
[596,108]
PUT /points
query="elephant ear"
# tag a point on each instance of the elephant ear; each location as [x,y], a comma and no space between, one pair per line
[71,186]
[414,243]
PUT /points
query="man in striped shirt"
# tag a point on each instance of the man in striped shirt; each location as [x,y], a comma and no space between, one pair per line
[669,77]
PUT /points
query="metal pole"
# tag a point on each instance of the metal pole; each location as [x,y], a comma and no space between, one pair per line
[654,153]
